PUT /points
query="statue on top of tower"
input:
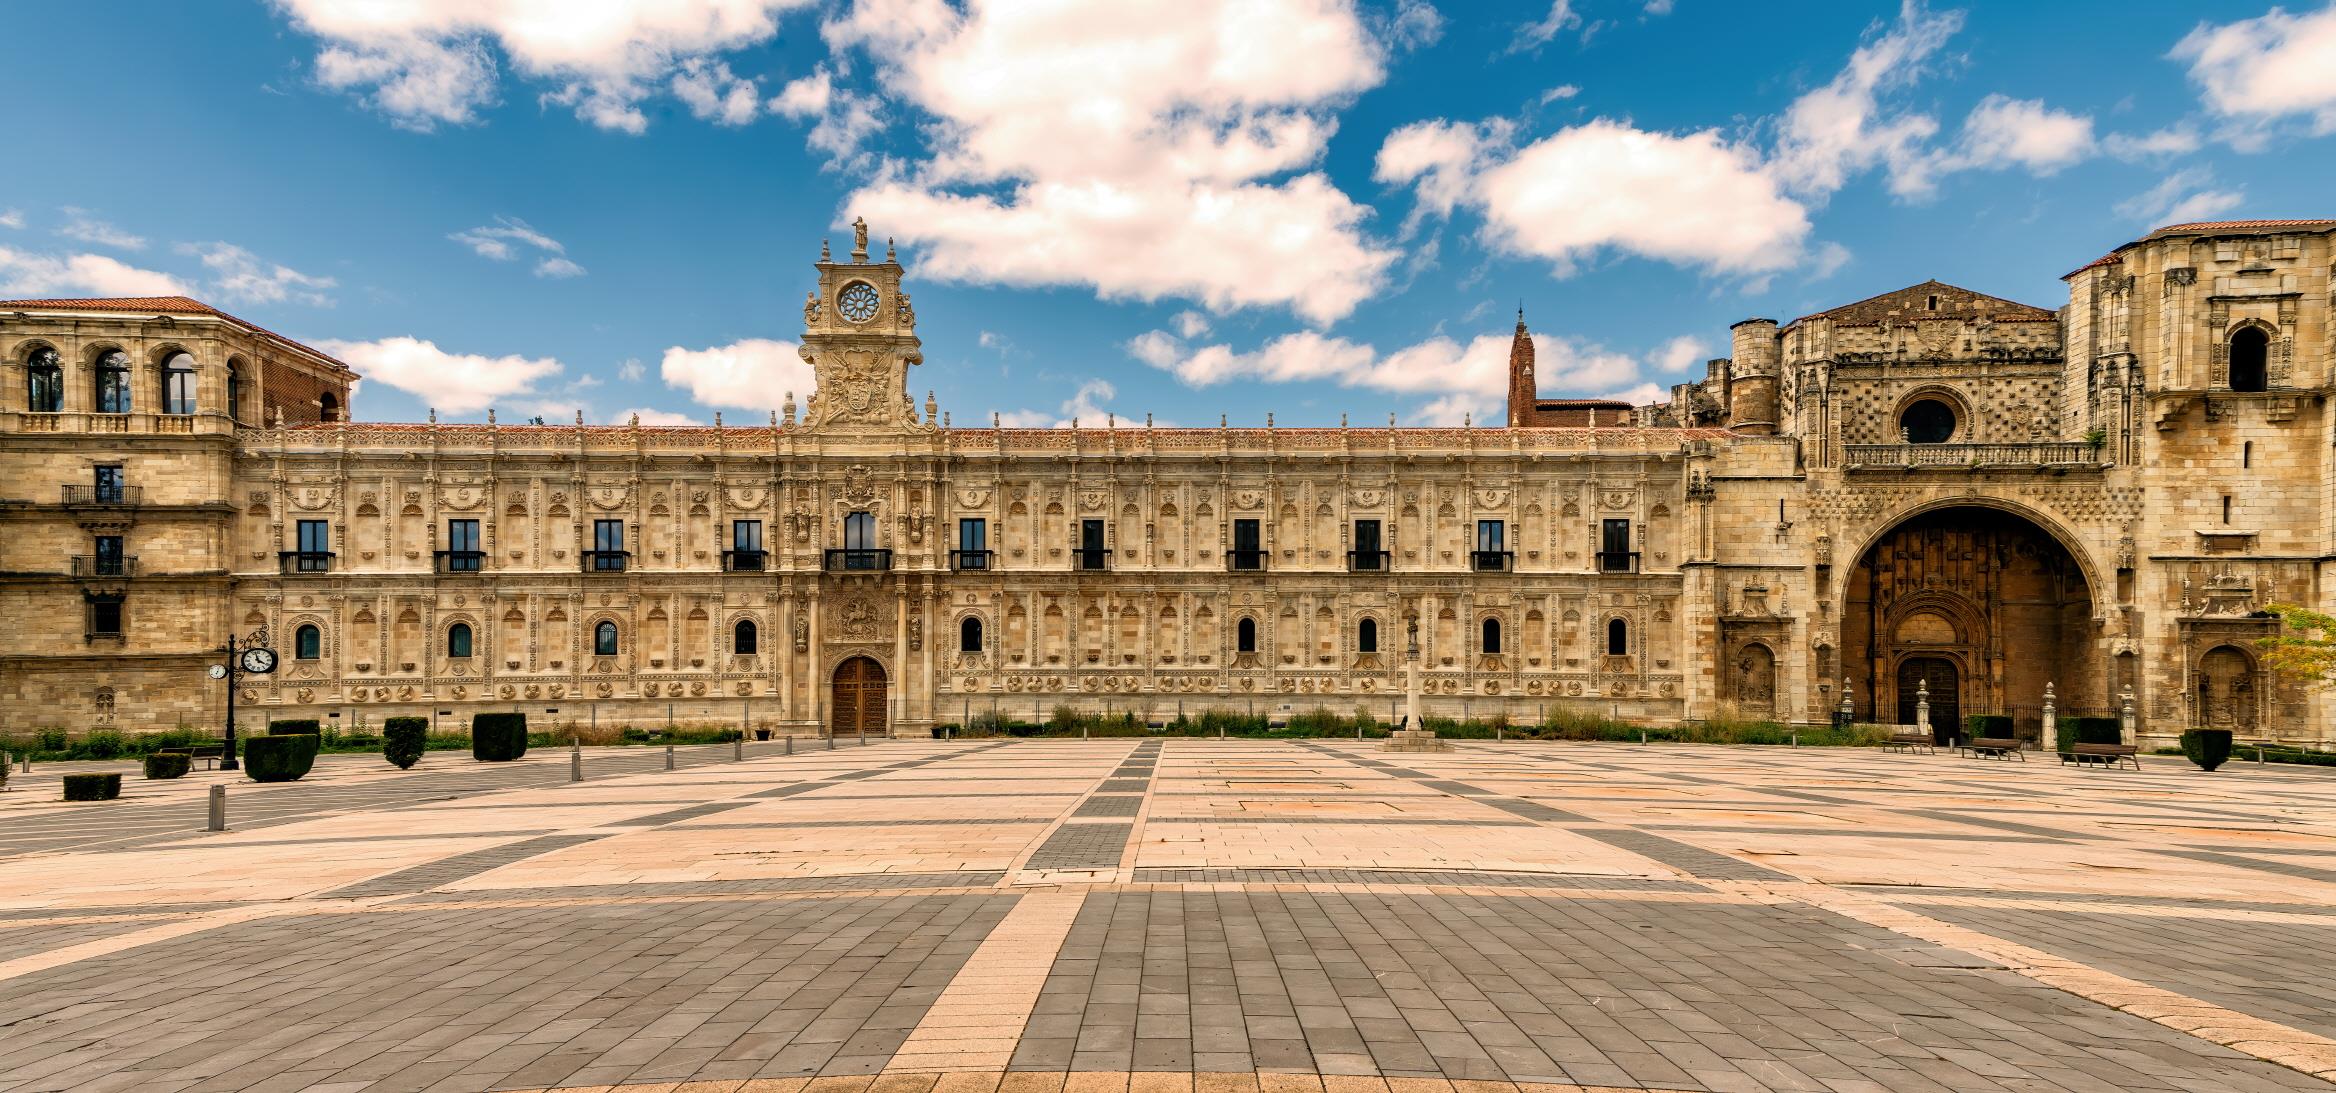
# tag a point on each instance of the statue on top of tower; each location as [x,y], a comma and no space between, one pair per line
[859,240]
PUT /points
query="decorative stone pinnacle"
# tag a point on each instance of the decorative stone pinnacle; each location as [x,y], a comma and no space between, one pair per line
[888,254]
[823,255]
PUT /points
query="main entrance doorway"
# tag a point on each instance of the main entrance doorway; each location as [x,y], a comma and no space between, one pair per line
[857,706]
[1945,687]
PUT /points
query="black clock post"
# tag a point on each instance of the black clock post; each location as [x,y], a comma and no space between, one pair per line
[249,656]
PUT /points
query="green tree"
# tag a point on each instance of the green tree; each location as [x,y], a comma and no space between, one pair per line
[2305,647]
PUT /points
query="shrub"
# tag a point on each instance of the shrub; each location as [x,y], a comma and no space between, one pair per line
[498,737]
[307,726]
[2209,748]
[1987,724]
[93,787]
[280,758]
[403,740]
[2088,730]
[101,744]
[51,740]
[168,764]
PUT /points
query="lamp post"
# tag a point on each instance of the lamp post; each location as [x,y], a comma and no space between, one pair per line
[249,655]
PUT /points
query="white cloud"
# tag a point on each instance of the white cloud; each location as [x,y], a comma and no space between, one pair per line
[2003,132]
[2270,67]
[427,62]
[1681,353]
[805,97]
[2174,140]
[243,277]
[82,226]
[1144,150]
[1560,92]
[713,93]
[1190,324]
[1659,7]
[1085,409]
[24,274]
[630,371]
[752,373]
[1533,35]
[11,218]
[456,382]
[2183,196]
[1417,25]
[509,238]
[647,416]
[1842,127]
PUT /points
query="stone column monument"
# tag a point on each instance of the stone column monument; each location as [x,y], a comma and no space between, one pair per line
[1413,734]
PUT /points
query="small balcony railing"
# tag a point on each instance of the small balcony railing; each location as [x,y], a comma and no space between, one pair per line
[305,561]
[1245,561]
[105,495]
[1492,561]
[606,561]
[1618,561]
[461,561]
[1091,559]
[2045,453]
[858,560]
[1369,561]
[970,559]
[105,565]
[745,561]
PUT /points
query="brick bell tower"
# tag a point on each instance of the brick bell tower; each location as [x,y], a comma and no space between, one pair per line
[1523,389]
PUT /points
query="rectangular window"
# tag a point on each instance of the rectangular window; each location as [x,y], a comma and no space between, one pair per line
[462,546]
[1491,535]
[1370,551]
[746,536]
[973,544]
[1248,548]
[1614,553]
[113,389]
[1367,535]
[1091,552]
[860,531]
[608,544]
[315,547]
[178,391]
[109,485]
[107,560]
[105,618]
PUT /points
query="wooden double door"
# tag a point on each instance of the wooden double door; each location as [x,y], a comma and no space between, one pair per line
[1946,695]
[857,704]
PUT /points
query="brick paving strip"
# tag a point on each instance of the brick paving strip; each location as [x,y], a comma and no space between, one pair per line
[976,1022]
[2267,1040]
[1099,1082]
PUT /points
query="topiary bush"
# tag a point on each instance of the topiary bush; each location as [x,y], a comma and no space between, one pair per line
[403,739]
[498,737]
[2209,748]
[169,764]
[1987,724]
[93,787]
[275,758]
[296,727]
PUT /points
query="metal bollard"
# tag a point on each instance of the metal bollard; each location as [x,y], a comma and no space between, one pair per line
[790,744]
[738,750]
[1796,738]
[575,760]
[1642,736]
[218,820]
[863,738]
[831,741]
[669,757]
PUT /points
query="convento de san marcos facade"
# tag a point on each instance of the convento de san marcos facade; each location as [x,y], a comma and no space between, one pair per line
[1929,490]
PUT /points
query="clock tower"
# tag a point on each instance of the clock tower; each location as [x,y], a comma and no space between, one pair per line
[859,336]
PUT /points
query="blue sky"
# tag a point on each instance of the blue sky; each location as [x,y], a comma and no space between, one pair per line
[1304,207]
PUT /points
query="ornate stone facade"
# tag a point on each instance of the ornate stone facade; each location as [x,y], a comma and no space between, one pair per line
[1932,488]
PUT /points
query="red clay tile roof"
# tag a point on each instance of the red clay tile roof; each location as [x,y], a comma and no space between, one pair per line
[2201,226]
[164,305]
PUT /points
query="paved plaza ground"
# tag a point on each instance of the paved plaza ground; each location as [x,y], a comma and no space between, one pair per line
[1199,916]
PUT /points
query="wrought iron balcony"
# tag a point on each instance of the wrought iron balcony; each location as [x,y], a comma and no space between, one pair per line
[606,561]
[858,560]
[1618,561]
[116,494]
[105,565]
[305,561]
[1245,561]
[970,559]
[461,561]
[1091,559]
[1369,561]
[2046,453]
[745,561]
[1492,561]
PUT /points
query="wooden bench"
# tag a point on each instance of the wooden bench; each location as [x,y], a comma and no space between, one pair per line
[2107,755]
[208,753]
[1908,738]
[1995,747]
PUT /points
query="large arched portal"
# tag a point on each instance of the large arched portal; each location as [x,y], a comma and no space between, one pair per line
[1982,606]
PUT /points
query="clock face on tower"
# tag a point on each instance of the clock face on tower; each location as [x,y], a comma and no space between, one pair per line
[259,662]
[857,302]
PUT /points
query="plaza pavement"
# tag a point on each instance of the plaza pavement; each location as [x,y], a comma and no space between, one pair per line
[1182,916]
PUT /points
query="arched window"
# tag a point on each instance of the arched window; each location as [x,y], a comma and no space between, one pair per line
[1617,638]
[604,639]
[178,384]
[1245,636]
[307,643]
[742,638]
[1492,638]
[44,382]
[113,382]
[458,640]
[969,635]
[1927,421]
[2250,360]
[1367,636]
[328,407]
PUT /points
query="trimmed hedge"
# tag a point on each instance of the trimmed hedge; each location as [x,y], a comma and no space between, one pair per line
[93,787]
[277,758]
[169,764]
[403,739]
[498,737]
[1987,724]
[2209,748]
[307,726]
